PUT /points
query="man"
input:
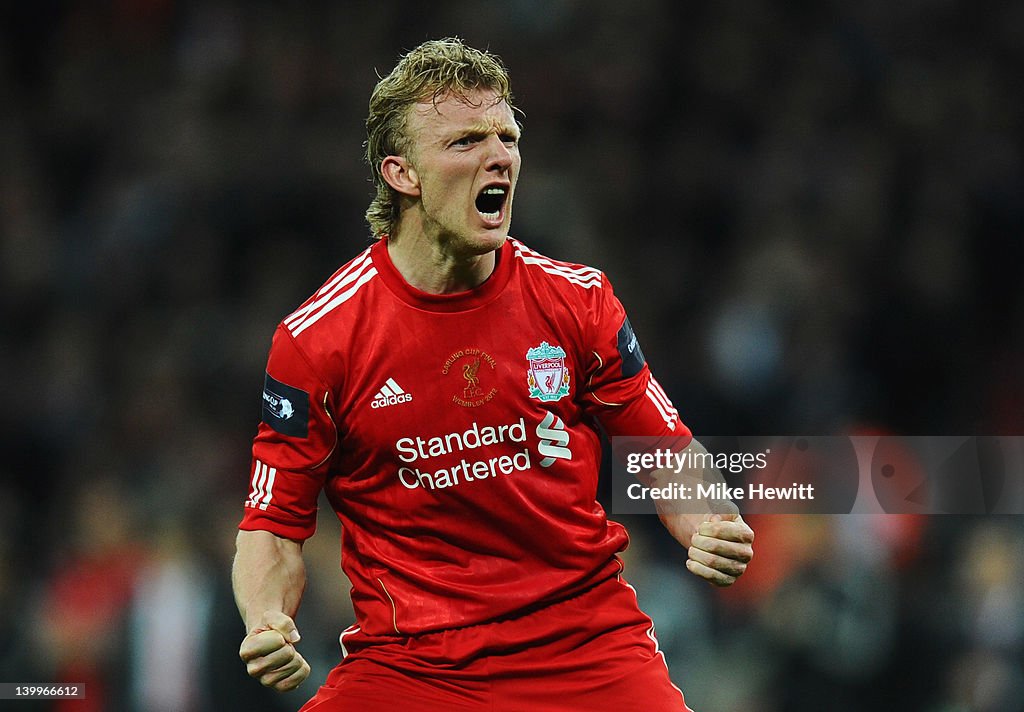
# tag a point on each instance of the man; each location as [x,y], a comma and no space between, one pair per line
[443,389]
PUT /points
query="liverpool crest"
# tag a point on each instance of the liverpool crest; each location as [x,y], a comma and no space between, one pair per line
[547,376]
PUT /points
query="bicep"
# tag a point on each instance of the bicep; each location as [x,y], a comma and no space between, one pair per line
[647,412]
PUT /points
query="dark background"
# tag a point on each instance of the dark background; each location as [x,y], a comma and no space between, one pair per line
[811,210]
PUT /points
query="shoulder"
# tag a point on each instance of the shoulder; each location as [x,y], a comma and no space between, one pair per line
[338,298]
[569,276]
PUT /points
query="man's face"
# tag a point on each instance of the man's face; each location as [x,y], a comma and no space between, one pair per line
[465,157]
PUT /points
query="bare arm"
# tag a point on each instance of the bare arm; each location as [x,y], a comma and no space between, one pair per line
[269,576]
[719,543]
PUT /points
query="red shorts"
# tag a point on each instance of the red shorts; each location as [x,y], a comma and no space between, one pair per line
[595,651]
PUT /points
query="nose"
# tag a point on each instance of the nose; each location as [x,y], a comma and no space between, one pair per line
[499,156]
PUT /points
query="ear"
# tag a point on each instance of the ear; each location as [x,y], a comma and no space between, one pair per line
[400,175]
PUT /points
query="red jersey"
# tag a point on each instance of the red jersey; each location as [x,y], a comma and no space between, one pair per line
[455,435]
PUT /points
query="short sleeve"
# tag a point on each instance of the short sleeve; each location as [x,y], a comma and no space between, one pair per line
[620,391]
[293,444]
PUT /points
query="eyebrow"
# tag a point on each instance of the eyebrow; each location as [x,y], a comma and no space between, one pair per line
[481,128]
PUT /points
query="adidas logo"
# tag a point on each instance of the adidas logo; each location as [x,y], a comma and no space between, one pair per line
[390,394]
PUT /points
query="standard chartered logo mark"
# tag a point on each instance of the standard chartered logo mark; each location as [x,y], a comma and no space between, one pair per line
[504,451]
[553,440]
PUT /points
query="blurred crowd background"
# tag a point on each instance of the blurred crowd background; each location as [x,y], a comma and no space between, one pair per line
[812,211]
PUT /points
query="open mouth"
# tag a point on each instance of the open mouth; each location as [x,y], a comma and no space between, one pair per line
[490,201]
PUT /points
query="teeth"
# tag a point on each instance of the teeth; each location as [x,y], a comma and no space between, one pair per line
[493,191]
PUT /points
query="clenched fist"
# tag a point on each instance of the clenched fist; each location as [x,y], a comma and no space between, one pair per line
[269,653]
[721,549]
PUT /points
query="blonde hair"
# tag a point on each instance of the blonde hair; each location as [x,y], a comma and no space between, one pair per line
[434,70]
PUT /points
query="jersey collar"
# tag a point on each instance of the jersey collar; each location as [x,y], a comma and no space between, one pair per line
[456,302]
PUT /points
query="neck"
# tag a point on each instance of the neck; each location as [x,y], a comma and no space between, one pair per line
[434,267]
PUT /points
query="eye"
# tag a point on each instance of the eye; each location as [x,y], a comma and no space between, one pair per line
[509,139]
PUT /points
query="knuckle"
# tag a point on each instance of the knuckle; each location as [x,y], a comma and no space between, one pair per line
[272,678]
[725,580]
[292,682]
